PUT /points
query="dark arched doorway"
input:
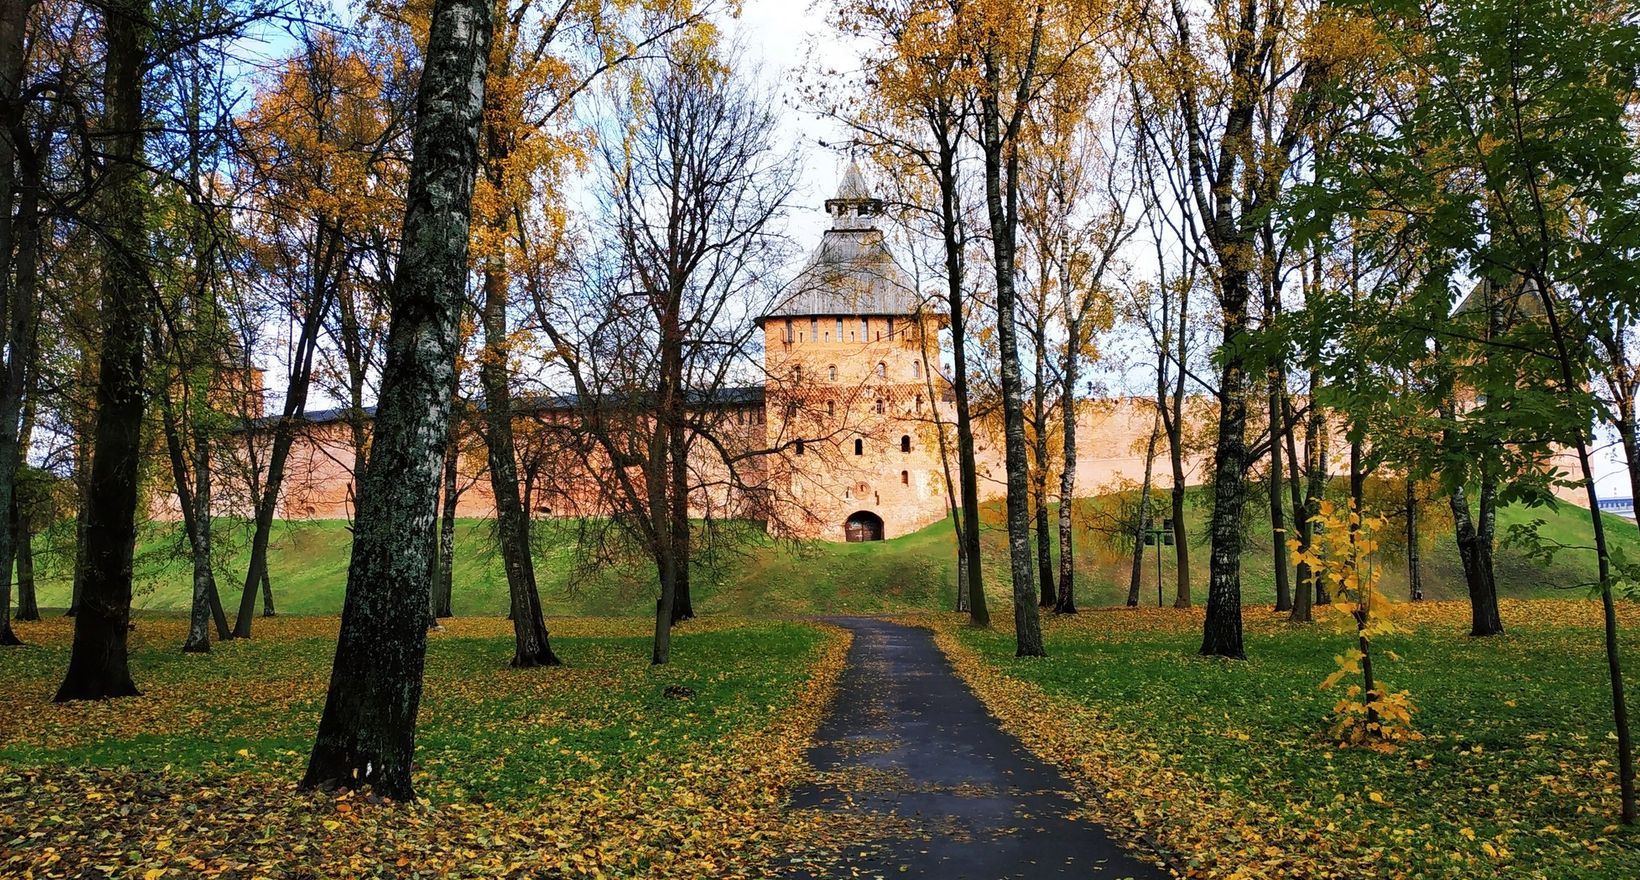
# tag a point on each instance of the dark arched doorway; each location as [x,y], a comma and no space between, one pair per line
[864,526]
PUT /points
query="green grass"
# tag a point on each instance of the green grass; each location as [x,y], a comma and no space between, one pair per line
[486,732]
[915,572]
[1517,729]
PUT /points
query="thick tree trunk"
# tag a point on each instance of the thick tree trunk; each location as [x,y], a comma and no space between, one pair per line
[20,307]
[1486,526]
[1221,632]
[1476,555]
[657,481]
[367,732]
[98,664]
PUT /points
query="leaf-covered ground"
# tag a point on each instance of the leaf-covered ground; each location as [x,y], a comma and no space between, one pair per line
[1226,763]
[589,770]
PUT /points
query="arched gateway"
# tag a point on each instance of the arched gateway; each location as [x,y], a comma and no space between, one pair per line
[864,526]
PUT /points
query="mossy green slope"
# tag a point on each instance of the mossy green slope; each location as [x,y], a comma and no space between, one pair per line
[308,564]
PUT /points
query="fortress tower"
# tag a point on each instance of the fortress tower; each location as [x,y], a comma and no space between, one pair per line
[850,398]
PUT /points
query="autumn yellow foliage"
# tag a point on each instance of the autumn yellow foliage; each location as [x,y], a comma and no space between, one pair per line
[1344,553]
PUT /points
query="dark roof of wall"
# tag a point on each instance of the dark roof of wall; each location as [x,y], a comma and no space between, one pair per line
[747,395]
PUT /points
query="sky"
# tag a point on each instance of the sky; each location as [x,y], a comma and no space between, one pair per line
[779,36]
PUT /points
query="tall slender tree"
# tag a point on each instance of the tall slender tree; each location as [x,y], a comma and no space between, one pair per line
[367,731]
[98,665]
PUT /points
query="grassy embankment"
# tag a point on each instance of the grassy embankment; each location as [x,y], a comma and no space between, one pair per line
[908,573]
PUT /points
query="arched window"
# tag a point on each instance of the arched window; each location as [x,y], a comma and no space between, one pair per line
[919,403]
[891,327]
[905,478]
[859,446]
[882,370]
[905,442]
[797,372]
[799,447]
[916,369]
[814,329]
[879,406]
[831,407]
[865,329]
[839,329]
[831,371]
[788,329]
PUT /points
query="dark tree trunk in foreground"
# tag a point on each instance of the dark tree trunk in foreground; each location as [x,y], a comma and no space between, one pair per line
[367,733]
[1221,633]
[1475,552]
[98,665]
[19,300]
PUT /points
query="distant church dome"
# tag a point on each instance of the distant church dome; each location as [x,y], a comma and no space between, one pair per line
[852,272]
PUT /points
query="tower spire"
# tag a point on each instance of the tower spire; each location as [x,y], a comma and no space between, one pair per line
[854,207]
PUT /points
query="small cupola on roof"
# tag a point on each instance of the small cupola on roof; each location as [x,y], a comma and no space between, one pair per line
[854,207]
[852,273]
